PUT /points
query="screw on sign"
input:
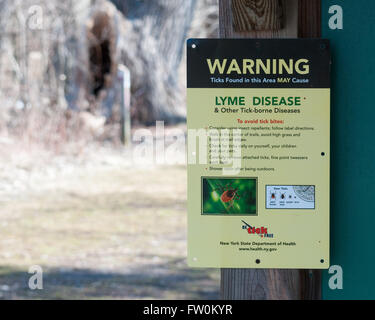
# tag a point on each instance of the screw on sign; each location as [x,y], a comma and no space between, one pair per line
[228,194]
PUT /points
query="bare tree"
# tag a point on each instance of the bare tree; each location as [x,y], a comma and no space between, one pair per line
[153,45]
[59,55]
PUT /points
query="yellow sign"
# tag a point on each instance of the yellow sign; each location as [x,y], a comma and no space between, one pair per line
[258,153]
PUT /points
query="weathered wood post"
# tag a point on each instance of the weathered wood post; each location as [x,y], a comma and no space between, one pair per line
[269,19]
[125,125]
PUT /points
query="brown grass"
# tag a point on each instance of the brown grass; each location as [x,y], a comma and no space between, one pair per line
[102,233]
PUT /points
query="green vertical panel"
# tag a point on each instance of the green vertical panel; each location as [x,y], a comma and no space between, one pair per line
[353,149]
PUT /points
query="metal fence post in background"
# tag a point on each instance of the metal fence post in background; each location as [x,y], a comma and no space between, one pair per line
[125,84]
[281,19]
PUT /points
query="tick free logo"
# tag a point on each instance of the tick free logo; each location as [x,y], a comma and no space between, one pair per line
[260,231]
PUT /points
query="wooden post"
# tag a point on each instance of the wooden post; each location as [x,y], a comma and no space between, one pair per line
[269,19]
[309,19]
[124,79]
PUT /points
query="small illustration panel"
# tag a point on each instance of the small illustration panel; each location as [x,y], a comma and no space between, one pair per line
[229,196]
[290,197]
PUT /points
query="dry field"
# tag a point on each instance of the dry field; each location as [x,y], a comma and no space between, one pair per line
[100,229]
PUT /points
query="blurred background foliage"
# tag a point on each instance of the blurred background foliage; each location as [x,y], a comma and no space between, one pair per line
[72,198]
[59,63]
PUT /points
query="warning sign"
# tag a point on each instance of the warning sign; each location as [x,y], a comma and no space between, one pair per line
[258,153]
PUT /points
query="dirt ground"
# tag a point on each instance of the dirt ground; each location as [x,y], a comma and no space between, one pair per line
[103,229]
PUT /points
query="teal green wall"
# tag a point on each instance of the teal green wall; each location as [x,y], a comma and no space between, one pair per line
[353,149]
